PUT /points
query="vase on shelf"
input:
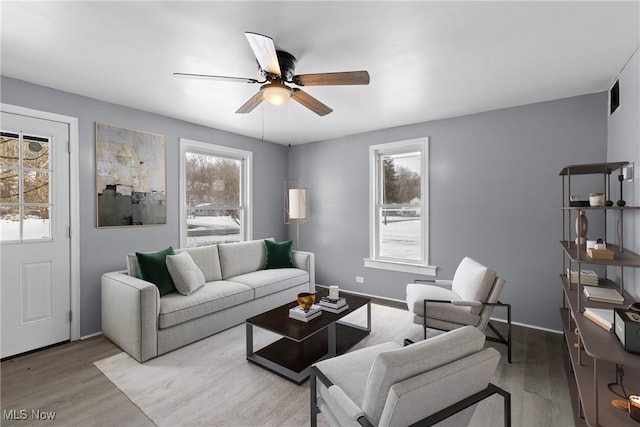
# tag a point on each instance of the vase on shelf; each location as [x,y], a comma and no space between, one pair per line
[582,226]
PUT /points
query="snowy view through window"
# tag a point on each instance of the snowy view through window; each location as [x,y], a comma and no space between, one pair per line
[213,199]
[24,188]
[399,222]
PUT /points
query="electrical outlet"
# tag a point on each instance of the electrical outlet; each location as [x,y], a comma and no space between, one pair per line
[627,172]
[359,279]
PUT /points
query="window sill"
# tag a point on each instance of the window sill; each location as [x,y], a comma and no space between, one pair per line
[427,270]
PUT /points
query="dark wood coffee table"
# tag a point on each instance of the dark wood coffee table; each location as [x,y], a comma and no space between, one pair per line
[303,344]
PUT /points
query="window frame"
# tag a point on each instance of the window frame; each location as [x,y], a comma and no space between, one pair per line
[246,183]
[375,204]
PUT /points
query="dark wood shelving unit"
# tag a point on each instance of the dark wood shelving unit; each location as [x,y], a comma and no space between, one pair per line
[595,353]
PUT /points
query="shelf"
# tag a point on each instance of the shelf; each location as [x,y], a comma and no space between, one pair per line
[591,168]
[600,208]
[587,381]
[597,342]
[594,363]
[624,258]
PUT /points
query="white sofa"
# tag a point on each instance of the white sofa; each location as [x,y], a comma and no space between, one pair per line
[145,325]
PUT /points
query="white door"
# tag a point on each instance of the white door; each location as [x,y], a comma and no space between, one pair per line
[34,233]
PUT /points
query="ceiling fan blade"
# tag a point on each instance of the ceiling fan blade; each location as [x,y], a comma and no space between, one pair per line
[222,78]
[265,52]
[333,79]
[310,102]
[252,103]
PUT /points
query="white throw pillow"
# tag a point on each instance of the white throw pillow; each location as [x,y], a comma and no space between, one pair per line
[185,273]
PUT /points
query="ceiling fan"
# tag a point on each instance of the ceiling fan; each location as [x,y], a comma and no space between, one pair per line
[277,68]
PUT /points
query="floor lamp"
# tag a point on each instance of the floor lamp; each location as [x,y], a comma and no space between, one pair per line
[296,207]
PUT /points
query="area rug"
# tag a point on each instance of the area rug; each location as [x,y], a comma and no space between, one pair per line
[210,382]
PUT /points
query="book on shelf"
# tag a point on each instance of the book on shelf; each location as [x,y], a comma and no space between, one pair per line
[610,295]
[602,317]
[587,277]
[305,319]
[335,310]
[332,303]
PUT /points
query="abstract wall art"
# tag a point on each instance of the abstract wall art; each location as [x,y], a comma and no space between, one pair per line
[131,185]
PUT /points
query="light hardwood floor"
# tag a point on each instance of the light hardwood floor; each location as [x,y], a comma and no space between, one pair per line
[64,380]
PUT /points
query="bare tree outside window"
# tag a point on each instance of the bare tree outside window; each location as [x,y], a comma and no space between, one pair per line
[25,187]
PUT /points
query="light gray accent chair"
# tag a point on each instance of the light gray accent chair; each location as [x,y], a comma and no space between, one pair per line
[468,299]
[438,380]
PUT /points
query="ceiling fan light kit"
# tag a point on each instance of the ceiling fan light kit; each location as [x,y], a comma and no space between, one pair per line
[278,68]
[275,93]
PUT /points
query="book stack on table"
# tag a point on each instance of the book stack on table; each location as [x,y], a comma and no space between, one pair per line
[333,305]
[298,313]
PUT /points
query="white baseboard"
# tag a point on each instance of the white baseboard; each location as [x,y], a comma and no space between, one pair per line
[86,337]
[394,300]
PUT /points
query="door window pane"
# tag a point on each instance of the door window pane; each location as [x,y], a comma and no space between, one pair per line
[35,152]
[9,223]
[36,223]
[9,185]
[9,149]
[36,187]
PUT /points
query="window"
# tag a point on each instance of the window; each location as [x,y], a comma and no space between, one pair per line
[399,235]
[215,189]
[25,187]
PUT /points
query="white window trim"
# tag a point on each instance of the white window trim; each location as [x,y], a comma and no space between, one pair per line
[421,144]
[188,145]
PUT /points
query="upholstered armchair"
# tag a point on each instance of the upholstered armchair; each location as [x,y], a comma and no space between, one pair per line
[424,383]
[468,299]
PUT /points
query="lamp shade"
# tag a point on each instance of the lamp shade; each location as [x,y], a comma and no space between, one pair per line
[275,93]
[297,203]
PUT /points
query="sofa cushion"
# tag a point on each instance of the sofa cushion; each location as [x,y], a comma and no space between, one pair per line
[460,315]
[351,370]
[241,257]
[207,260]
[473,281]
[278,254]
[265,282]
[152,268]
[185,273]
[214,296]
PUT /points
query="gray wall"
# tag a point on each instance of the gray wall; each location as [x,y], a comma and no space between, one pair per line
[495,195]
[103,250]
[624,144]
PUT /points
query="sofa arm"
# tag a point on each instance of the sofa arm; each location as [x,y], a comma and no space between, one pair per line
[130,308]
[307,262]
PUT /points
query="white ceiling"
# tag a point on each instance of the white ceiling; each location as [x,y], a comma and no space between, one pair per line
[427,60]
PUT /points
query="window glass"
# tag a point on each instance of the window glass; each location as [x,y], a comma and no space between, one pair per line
[213,199]
[215,194]
[398,231]
[25,187]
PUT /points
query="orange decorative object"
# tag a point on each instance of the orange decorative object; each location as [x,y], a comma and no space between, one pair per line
[306,300]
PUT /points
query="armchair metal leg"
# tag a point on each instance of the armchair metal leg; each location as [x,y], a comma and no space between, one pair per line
[314,399]
[500,338]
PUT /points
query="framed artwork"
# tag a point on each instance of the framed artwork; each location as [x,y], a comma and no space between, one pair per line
[131,184]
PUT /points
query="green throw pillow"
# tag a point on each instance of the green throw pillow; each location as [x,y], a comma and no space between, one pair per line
[152,267]
[278,254]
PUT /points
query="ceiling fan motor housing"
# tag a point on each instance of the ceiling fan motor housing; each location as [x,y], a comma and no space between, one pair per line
[287,67]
